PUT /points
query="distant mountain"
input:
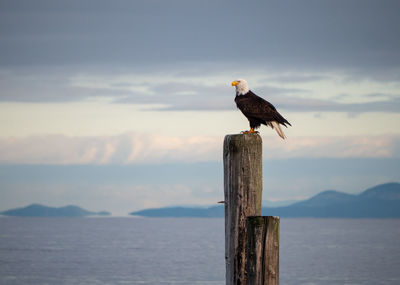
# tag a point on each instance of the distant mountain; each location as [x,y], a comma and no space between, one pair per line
[36,210]
[389,191]
[382,201]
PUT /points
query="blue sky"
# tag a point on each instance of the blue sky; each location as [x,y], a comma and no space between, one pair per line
[133,86]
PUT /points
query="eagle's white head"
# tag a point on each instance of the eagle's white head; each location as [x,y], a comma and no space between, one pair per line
[241,86]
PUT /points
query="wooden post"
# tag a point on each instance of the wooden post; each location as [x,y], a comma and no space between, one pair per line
[243,195]
[262,250]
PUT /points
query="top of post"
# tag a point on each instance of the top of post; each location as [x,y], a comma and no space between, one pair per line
[238,141]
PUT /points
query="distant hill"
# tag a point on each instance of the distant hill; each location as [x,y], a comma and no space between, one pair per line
[381,201]
[36,210]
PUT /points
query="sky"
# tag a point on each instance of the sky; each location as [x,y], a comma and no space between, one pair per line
[123,105]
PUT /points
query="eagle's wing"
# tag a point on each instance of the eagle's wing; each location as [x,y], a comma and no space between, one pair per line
[256,107]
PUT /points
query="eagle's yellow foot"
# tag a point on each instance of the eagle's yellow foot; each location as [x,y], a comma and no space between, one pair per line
[252,131]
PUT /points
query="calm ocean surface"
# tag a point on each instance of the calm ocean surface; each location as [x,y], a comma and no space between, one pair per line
[190,251]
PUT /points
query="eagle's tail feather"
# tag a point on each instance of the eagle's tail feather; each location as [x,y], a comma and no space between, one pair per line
[275,125]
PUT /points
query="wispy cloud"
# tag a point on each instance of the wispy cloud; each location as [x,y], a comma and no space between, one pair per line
[391,104]
[121,149]
[339,147]
[190,93]
[136,148]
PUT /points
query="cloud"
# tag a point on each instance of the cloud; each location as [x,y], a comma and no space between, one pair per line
[296,78]
[391,104]
[49,85]
[178,96]
[339,147]
[194,92]
[140,148]
[181,96]
[285,35]
[123,149]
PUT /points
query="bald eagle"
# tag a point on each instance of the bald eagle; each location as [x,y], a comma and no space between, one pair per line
[257,110]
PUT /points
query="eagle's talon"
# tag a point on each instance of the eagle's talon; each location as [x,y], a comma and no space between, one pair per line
[252,131]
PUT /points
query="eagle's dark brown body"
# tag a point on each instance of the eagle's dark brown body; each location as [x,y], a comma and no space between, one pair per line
[258,111]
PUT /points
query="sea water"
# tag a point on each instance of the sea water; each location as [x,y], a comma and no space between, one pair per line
[190,251]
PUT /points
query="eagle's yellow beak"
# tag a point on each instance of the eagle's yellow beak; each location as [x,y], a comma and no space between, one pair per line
[234,83]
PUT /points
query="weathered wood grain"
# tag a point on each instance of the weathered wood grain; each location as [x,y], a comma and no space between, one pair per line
[243,195]
[262,249]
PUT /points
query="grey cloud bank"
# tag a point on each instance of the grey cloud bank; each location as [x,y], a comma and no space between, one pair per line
[292,34]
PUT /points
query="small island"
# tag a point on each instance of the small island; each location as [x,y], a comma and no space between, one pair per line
[37,210]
